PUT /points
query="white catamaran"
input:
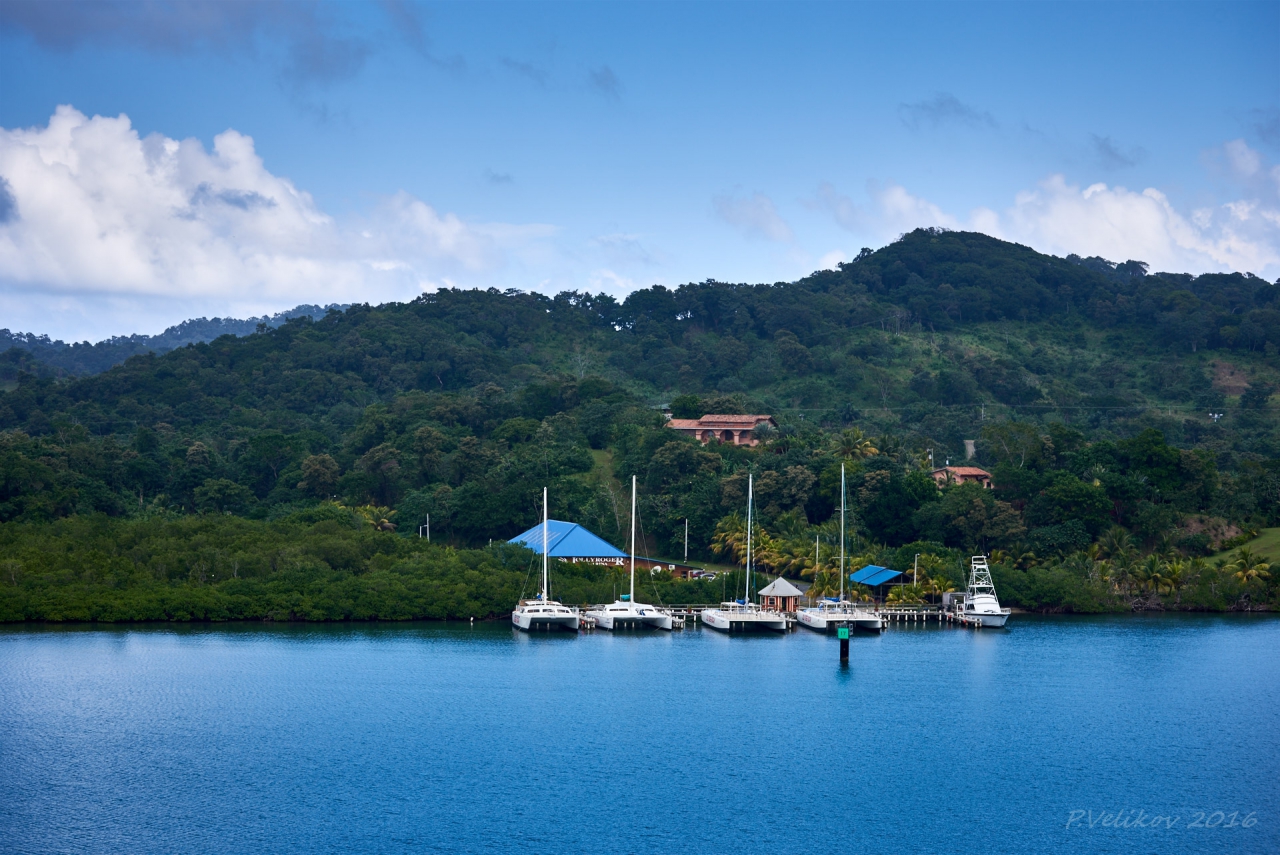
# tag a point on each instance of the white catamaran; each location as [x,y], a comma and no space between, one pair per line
[980,600]
[544,612]
[626,613]
[744,615]
[832,614]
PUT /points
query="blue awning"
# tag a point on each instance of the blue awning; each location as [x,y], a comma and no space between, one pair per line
[873,575]
[866,573]
[882,577]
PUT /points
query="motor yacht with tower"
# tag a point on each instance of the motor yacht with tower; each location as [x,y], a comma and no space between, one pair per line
[830,614]
[744,615]
[980,599]
[544,613]
[626,613]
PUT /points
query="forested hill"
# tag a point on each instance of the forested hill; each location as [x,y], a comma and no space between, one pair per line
[1110,402]
[42,355]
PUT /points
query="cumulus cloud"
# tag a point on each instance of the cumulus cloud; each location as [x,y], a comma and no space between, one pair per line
[612,283]
[753,216]
[943,109]
[832,259]
[891,212]
[1118,223]
[97,211]
[1060,217]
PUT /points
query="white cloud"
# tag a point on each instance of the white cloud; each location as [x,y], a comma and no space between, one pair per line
[753,216]
[831,259]
[1120,224]
[1061,218]
[611,283]
[98,211]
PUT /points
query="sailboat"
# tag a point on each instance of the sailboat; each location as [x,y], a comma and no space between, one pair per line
[544,612]
[980,600]
[626,613]
[744,615]
[832,614]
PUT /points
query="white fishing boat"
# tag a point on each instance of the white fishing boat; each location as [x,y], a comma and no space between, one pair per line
[544,613]
[831,614]
[744,615]
[626,613]
[980,600]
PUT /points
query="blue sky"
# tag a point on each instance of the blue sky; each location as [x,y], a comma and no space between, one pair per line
[167,160]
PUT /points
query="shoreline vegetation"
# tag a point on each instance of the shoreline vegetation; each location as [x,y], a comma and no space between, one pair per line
[1125,417]
[328,563]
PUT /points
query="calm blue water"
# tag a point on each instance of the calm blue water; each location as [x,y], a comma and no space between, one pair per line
[447,738]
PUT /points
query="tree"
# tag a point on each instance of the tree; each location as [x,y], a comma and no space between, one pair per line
[319,475]
[382,463]
[428,445]
[852,444]
[686,407]
[1257,394]
[221,495]
[1248,567]
[1015,443]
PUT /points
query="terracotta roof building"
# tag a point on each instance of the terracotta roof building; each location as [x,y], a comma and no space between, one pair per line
[735,429]
[962,475]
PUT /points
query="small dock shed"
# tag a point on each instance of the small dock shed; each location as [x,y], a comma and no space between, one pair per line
[780,595]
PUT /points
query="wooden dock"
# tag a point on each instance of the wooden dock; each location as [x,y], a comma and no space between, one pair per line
[689,614]
[923,614]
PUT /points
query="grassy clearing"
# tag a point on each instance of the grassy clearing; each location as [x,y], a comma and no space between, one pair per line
[1267,544]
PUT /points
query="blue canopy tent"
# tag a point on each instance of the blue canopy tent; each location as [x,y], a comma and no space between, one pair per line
[569,541]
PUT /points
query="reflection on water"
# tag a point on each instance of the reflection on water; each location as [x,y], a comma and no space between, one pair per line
[459,737]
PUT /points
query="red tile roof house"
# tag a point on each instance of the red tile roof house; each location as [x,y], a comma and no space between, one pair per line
[735,429]
[962,475]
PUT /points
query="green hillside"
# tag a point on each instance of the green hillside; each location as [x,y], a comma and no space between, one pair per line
[1086,387]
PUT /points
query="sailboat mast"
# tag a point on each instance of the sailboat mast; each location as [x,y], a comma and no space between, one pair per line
[545,592]
[750,488]
[842,532]
[633,538]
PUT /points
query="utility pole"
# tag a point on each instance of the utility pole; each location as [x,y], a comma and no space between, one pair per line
[915,570]
[686,539]
[427,527]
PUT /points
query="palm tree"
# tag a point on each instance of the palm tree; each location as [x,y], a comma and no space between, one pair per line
[731,538]
[939,585]
[1148,573]
[826,581]
[1247,567]
[1174,578]
[853,444]
[1115,542]
[906,594]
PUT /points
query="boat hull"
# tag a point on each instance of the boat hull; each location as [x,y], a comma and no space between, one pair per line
[818,622]
[993,620]
[544,623]
[742,623]
[641,618]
